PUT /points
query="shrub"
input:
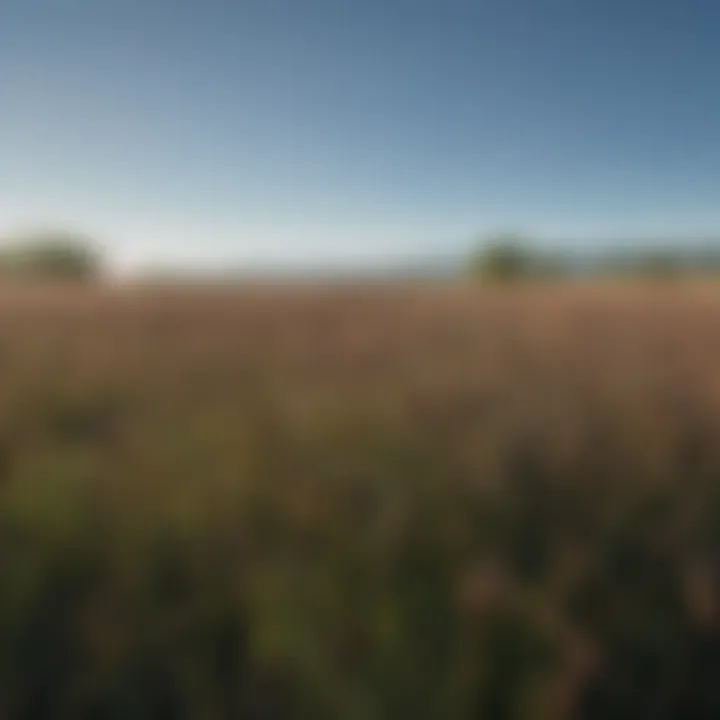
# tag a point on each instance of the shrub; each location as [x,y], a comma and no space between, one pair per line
[48,256]
[501,258]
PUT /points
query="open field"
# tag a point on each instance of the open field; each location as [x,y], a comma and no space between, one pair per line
[390,501]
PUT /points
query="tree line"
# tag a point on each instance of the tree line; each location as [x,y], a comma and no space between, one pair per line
[513,257]
[59,255]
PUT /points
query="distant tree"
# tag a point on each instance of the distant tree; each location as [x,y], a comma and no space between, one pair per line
[503,257]
[648,263]
[50,255]
[659,264]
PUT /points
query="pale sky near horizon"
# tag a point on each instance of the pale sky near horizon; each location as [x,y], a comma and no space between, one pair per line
[260,131]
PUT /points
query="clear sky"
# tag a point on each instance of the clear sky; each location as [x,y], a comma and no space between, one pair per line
[259,130]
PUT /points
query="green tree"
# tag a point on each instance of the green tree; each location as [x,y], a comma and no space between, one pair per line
[51,255]
[502,257]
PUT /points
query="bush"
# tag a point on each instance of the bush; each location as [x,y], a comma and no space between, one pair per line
[502,258]
[507,257]
[61,256]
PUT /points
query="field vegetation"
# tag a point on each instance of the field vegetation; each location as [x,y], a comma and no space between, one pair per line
[368,502]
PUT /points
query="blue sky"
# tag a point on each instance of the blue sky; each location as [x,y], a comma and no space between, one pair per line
[230,131]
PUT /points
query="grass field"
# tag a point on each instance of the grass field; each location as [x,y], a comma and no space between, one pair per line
[390,501]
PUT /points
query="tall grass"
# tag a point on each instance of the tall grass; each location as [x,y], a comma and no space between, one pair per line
[414,502]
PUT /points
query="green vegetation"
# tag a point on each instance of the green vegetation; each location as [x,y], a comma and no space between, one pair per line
[50,256]
[502,258]
[508,257]
[359,503]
